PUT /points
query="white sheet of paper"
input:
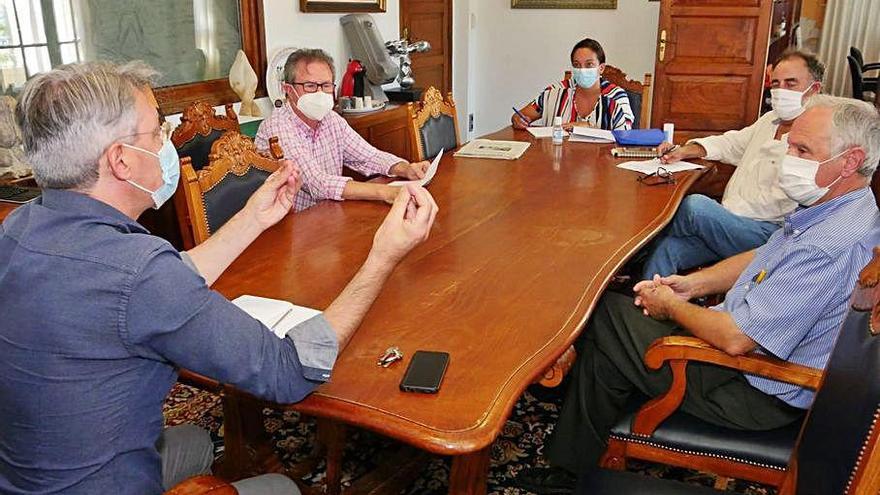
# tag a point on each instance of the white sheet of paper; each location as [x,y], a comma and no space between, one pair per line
[651,166]
[279,316]
[591,135]
[543,132]
[429,175]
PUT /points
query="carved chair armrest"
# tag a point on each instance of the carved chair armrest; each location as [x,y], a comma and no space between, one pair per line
[680,350]
[201,485]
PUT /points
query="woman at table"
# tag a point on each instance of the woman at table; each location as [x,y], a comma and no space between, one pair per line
[583,99]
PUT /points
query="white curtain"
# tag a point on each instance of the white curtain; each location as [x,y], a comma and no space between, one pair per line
[848,23]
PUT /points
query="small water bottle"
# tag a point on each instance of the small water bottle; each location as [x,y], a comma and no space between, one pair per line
[557,130]
[669,130]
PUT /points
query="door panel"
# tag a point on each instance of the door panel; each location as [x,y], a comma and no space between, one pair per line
[709,78]
[430,20]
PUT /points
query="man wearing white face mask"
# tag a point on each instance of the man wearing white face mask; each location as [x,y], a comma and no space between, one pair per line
[787,298]
[321,142]
[99,315]
[753,204]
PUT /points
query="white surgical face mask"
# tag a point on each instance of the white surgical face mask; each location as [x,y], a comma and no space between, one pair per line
[585,77]
[797,178]
[315,105]
[787,104]
[169,164]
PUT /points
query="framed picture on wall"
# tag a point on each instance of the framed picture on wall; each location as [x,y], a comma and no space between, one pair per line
[342,6]
[563,4]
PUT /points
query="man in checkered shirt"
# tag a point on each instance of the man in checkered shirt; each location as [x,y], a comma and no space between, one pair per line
[321,142]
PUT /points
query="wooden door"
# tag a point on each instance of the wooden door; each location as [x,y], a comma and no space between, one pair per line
[711,56]
[429,20]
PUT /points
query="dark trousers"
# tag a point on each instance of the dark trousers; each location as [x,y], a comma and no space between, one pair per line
[610,367]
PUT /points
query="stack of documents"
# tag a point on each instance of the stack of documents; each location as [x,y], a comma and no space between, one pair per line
[279,316]
[590,135]
[487,148]
[543,132]
[429,175]
[651,166]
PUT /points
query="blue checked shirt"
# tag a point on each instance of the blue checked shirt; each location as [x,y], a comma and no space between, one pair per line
[811,266]
[96,316]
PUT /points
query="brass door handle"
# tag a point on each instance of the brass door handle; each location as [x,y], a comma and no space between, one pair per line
[405,33]
[662,46]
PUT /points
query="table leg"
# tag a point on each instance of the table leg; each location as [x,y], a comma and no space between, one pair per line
[332,435]
[247,447]
[469,473]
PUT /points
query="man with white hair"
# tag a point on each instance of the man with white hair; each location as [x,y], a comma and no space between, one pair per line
[98,314]
[787,298]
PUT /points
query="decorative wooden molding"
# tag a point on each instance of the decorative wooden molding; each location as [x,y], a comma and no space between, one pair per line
[233,153]
[199,118]
[553,376]
[173,99]
[618,77]
[431,105]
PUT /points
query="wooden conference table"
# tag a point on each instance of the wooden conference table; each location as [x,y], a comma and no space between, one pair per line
[517,259]
[6,209]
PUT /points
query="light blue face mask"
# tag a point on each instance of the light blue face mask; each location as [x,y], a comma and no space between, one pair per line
[585,77]
[169,162]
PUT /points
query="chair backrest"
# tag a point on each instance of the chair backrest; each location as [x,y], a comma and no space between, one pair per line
[199,128]
[855,72]
[838,451]
[639,94]
[433,124]
[217,192]
[857,54]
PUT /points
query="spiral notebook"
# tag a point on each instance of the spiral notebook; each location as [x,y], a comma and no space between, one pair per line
[634,152]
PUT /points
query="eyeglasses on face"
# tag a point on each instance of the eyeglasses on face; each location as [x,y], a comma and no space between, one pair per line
[661,176]
[312,87]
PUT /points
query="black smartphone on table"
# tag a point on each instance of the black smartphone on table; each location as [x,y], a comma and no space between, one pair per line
[425,372]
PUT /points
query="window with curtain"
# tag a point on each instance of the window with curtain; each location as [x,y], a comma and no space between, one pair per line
[848,23]
[186,40]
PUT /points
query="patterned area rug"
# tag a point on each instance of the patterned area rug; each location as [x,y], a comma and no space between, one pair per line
[520,445]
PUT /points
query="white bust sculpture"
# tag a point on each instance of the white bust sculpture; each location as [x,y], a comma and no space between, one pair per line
[243,80]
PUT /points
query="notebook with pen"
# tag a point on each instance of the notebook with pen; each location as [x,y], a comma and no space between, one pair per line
[277,315]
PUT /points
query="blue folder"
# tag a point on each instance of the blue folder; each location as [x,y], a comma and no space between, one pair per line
[639,137]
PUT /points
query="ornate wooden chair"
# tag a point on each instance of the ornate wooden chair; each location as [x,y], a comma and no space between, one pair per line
[639,94]
[658,432]
[836,449]
[218,191]
[199,128]
[433,124]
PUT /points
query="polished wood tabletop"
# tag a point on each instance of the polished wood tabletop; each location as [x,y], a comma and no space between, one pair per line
[519,255]
[6,209]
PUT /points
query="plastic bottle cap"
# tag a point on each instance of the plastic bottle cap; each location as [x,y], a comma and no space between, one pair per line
[557,121]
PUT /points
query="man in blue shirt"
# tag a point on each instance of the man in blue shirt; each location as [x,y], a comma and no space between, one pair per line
[98,314]
[787,298]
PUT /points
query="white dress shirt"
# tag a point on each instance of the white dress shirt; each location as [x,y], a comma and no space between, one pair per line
[753,190]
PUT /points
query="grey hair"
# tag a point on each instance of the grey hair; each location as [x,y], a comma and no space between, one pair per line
[305,55]
[72,113]
[854,123]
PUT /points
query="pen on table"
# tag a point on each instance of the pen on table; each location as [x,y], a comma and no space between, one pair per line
[274,325]
[521,116]
[670,150]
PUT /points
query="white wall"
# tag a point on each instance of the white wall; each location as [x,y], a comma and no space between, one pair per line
[287,26]
[515,53]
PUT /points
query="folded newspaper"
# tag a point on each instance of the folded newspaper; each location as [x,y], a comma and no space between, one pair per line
[488,148]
